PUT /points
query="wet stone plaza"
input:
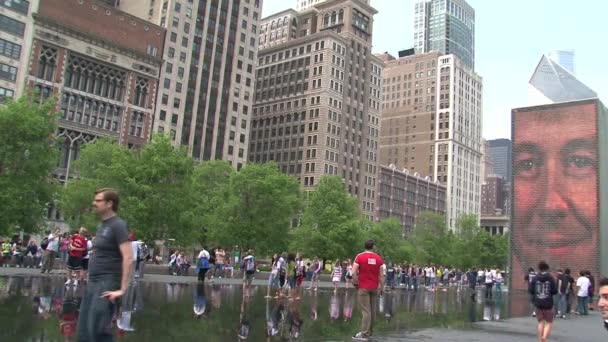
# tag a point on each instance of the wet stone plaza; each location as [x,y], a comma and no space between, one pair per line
[166,308]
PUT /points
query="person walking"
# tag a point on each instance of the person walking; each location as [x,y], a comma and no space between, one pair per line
[220,259]
[542,289]
[249,269]
[316,272]
[489,280]
[582,283]
[51,252]
[76,249]
[367,278]
[472,280]
[109,270]
[563,289]
[202,264]
[336,275]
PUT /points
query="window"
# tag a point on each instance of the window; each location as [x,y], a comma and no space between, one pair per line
[176,103]
[174,118]
[169,68]
[9,49]
[182,57]
[173,37]
[178,87]
[11,26]
[185,42]
[187,26]
[167,83]
[163,115]
[8,72]
[180,72]
[171,52]
[175,22]
[188,13]
[178,7]
[20,6]
[165,99]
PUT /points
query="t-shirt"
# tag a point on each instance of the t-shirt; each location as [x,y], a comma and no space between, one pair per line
[53,243]
[565,283]
[107,259]
[583,286]
[77,241]
[220,257]
[369,270]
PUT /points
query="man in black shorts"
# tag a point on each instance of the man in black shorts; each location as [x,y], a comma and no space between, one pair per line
[542,288]
[77,247]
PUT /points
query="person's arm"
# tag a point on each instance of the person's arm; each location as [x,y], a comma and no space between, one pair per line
[127,265]
[355,274]
[559,286]
[553,287]
[381,278]
[531,287]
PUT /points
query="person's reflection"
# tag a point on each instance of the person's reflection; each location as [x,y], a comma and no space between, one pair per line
[472,312]
[68,317]
[200,301]
[388,306]
[313,305]
[130,303]
[349,302]
[243,320]
[334,307]
[45,301]
[295,322]
[487,311]
[216,296]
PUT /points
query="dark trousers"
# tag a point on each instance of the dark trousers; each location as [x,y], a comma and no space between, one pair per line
[489,290]
[48,260]
[201,273]
[95,321]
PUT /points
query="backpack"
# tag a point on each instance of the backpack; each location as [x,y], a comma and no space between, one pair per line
[142,251]
[44,243]
[203,262]
[250,265]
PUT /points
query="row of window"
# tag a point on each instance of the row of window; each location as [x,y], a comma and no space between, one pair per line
[10,49]
[12,26]
[19,6]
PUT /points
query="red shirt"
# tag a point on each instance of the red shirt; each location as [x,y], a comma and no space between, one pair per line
[369,270]
[78,241]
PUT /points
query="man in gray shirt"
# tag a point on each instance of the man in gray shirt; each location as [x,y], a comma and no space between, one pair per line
[110,269]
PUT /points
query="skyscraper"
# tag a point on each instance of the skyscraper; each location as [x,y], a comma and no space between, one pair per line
[499,152]
[564,58]
[206,87]
[447,26]
[431,125]
[317,99]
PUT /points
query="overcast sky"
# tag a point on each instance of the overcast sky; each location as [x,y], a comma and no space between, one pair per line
[511,37]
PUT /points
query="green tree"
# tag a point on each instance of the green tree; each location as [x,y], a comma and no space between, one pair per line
[259,206]
[428,240]
[28,154]
[388,235]
[330,225]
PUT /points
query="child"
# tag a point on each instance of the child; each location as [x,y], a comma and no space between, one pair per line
[336,275]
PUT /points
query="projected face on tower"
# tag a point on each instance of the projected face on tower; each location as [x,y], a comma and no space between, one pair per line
[555,175]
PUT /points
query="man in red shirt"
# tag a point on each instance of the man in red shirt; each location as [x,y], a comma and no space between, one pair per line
[78,244]
[367,277]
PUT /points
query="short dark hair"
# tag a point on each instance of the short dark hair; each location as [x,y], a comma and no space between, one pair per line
[369,244]
[543,266]
[567,271]
[110,195]
[604,282]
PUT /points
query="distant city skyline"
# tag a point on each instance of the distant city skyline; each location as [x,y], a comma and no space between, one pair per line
[506,50]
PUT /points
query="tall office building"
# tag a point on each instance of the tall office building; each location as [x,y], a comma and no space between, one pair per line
[499,153]
[447,26]
[564,58]
[206,89]
[317,98]
[16,30]
[302,5]
[431,124]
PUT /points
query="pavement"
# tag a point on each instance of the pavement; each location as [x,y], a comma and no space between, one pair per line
[580,329]
[576,328]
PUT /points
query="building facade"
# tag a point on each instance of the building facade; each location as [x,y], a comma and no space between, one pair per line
[403,195]
[499,153]
[495,225]
[317,100]
[206,88]
[103,66]
[493,196]
[16,30]
[447,26]
[431,124]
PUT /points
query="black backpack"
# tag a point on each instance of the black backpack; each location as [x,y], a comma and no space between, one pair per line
[44,243]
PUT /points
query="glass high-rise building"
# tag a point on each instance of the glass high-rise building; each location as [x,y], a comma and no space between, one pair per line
[447,26]
[499,151]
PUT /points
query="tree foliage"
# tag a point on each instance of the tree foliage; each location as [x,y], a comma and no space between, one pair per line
[28,154]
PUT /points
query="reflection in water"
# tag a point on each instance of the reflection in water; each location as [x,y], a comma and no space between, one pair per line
[42,309]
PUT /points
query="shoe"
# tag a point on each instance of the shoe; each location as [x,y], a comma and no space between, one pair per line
[361,336]
[563,316]
[68,282]
[533,313]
